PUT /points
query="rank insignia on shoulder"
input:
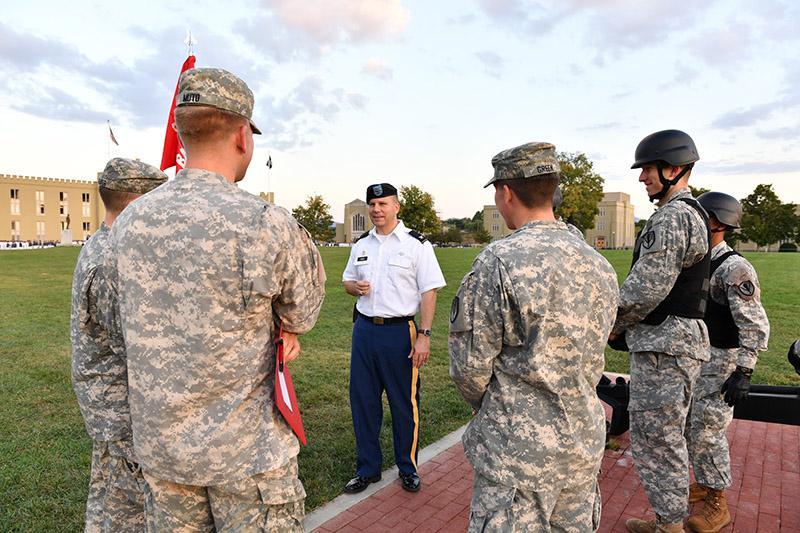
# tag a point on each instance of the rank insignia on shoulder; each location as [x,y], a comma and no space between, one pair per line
[417,235]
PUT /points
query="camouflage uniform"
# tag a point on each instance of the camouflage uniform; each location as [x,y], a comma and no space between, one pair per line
[665,358]
[99,376]
[527,333]
[575,231]
[734,283]
[204,270]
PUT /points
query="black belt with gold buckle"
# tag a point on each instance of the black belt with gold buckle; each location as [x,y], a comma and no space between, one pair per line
[381,321]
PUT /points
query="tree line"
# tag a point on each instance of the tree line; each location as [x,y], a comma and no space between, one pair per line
[581,187]
[765,220]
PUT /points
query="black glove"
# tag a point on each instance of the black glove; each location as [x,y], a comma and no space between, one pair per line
[794,355]
[737,385]
[620,343]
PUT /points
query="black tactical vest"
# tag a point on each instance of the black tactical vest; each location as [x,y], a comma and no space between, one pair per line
[689,295]
[722,330]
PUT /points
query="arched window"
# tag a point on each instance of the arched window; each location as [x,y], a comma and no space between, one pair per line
[358,222]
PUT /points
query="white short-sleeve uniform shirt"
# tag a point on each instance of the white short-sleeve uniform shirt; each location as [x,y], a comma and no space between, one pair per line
[399,269]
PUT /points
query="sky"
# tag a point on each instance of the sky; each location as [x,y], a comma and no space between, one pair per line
[350,93]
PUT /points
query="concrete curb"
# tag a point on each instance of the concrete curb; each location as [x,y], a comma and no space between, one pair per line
[344,501]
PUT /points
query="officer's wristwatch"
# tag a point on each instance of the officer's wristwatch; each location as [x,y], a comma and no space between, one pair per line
[425,332]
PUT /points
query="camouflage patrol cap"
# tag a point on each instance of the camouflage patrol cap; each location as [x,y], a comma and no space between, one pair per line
[529,160]
[218,88]
[130,175]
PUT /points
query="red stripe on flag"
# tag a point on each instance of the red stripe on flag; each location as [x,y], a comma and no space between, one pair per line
[172,155]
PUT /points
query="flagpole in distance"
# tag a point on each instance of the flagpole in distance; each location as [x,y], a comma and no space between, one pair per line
[269,172]
[111,139]
[173,154]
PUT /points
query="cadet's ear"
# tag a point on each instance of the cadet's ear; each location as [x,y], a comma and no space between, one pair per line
[506,194]
[241,137]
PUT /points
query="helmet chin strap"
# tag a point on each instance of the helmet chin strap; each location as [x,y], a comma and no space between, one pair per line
[665,183]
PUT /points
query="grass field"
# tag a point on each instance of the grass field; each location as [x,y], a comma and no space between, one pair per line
[44,451]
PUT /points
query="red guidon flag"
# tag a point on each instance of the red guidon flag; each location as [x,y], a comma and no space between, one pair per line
[173,154]
[285,398]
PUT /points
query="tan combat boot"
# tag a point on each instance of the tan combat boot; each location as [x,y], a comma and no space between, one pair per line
[697,492]
[635,525]
[713,516]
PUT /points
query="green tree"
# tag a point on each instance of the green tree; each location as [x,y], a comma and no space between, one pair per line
[639,225]
[481,235]
[417,210]
[765,219]
[697,191]
[582,188]
[460,223]
[316,217]
[733,238]
[453,235]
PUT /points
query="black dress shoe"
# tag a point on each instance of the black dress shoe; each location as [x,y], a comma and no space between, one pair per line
[411,481]
[358,483]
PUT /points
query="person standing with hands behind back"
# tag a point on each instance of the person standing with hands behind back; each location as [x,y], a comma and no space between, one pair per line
[393,272]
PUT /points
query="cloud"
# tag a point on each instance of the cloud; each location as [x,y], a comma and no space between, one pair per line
[53,103]
[51,79]
[788,133]
[602,126]
[745,117]
[378,68]
[492,63]
[753,167]
[461,20]
[328,22]
[274,40]
[725,46]
[519,15]
[297,118]
[357,100]
[616,25]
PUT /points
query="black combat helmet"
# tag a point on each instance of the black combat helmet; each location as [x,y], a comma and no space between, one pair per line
[558,198]
[723,207]
[667,147]
[673,147]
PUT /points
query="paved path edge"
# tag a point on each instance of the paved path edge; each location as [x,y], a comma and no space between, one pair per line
[343,502]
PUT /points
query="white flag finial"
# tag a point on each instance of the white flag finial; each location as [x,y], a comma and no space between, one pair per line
[190,41]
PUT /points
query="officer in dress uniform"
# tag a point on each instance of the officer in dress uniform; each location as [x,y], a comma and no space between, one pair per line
[738,329]
[661,310]
[116,500]
[393,272]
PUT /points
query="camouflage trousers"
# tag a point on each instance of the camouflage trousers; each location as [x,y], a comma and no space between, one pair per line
[661,391]
[116,501]
[569,509]
[708,421]
[272,501]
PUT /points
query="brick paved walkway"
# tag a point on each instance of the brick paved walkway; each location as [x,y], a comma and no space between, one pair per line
[764,498]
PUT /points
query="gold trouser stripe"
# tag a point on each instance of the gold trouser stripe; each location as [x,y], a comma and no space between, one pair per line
[414,407]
